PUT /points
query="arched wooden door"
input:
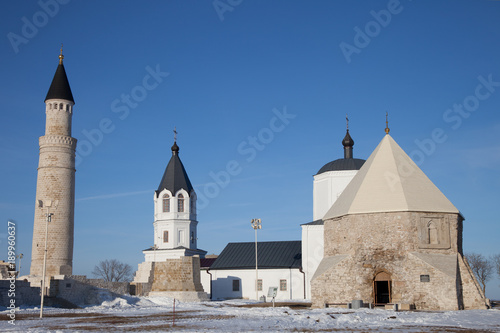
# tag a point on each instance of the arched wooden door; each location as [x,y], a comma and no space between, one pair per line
[382,288]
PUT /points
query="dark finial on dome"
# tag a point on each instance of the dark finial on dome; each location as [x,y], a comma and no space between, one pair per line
[175,147]
[348,142]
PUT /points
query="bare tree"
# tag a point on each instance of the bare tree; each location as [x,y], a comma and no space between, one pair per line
[482,268]
[113,270]
[495,259]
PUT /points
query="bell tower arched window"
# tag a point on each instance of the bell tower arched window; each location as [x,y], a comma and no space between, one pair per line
[166,203]
[180,203]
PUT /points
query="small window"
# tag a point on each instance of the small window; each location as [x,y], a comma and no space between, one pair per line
[192,237]
[180,203]
[55,106]
[236,285]
[192,206]
[282,285]
[61,106]
[165,236]
[259,285]
[425,278]
[166,203]
[67,107]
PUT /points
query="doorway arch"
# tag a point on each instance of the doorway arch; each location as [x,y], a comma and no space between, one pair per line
[382,285]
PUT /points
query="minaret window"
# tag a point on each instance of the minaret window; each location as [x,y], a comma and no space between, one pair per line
[180,203]
[166,203]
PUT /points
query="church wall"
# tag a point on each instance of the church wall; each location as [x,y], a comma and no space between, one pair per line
[222,283]
[327,187]
[405,245]
[312,252]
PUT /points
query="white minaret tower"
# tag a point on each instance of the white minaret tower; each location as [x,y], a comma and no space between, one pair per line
[175,225]
[55,191]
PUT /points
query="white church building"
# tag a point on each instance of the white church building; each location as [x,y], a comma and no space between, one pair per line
[286,265]
[329,183]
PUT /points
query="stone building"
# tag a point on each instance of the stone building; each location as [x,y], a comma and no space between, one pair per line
[55,191]
[393,237]
[172,265]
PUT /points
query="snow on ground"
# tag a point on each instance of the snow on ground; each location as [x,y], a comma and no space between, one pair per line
[155,314]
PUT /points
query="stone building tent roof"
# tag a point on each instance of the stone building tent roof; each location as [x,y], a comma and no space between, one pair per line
[390,181]
[175,176]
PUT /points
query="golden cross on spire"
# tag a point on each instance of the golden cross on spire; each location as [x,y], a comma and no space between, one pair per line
[387,123]
[61,57]
[175,134]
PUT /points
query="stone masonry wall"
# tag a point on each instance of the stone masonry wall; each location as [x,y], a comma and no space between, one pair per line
[404,245]
[177,275]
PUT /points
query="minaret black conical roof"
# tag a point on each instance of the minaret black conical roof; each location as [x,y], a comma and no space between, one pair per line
[175,176]
[59,88]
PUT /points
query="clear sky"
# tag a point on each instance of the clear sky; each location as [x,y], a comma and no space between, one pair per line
[264,83]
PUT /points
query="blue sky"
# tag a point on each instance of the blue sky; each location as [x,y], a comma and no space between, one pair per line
[282,74]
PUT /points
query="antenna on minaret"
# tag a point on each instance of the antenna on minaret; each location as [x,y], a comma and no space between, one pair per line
[347,122]
[61,57]
[175,134]
[387,123]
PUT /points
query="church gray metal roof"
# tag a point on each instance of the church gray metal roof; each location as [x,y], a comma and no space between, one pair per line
[175,176]
[59,88]
[281,254]
[317,222]
[342,164]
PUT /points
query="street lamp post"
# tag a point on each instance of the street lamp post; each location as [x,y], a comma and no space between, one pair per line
[48,204]
[20,256]
[256,224]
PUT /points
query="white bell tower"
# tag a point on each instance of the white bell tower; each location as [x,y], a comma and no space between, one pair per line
[175,224]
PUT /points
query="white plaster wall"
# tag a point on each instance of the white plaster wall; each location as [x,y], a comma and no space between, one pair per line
[181,226]
[205,281]
[312,252]
[222,283]
[327,187]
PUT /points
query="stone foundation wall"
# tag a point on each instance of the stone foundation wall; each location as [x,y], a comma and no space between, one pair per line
[177,275]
